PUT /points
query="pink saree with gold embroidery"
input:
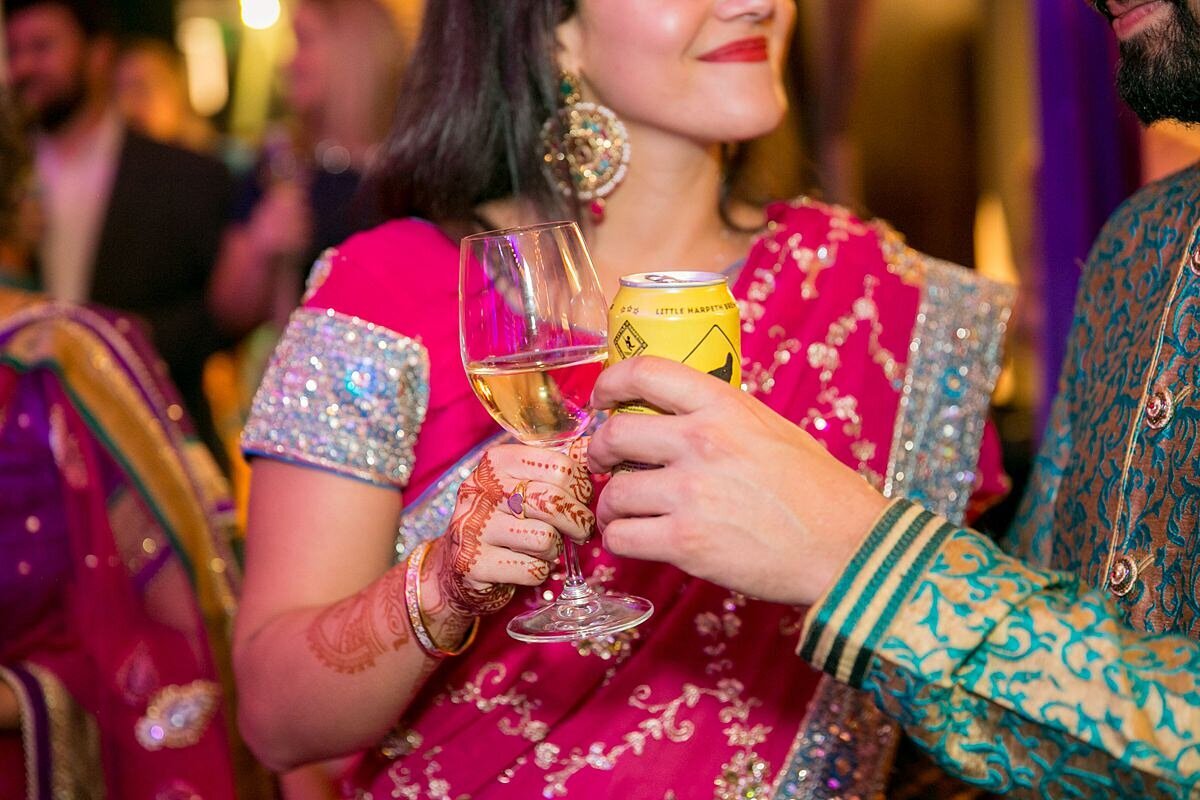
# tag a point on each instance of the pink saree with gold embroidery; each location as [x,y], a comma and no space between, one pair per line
[884,355]
[118,586]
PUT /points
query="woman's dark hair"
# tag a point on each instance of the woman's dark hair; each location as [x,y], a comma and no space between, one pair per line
[481,84]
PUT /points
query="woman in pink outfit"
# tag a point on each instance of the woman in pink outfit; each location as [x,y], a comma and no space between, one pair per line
[385,554]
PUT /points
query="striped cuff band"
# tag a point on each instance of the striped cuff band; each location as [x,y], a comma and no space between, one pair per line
[844,628]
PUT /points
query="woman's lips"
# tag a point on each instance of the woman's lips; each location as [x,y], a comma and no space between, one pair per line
[742,50]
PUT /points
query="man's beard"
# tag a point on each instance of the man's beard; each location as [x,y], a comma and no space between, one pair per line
[1159,71]
[59,110]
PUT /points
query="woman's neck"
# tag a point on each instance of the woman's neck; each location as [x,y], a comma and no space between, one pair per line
[664,215]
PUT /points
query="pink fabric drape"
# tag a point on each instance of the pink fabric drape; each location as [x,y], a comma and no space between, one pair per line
[707,696]
[97,597]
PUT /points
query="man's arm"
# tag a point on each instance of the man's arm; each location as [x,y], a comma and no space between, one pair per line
[1014,678]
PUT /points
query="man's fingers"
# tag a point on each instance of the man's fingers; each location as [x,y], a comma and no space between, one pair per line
[646,493]
[645,538]
[668,385]
[643,438]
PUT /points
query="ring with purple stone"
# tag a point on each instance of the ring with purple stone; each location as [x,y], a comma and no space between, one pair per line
[516,500]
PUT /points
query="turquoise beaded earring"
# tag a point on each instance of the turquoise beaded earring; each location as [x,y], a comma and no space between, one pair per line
[587,148]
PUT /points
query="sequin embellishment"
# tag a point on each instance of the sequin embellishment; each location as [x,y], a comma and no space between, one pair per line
[177,715]
[319,273]
[342,394]
[953,367]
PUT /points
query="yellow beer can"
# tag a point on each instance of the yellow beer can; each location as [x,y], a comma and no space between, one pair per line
[690,317]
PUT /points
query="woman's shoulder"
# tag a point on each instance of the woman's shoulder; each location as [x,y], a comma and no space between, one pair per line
[387,274]
[398,244]
[828,233]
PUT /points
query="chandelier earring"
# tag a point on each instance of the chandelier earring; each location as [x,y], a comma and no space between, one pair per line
[586,148]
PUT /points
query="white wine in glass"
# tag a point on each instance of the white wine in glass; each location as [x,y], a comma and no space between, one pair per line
[542,397]
[533,329]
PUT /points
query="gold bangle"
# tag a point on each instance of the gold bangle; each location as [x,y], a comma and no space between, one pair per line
[416,618]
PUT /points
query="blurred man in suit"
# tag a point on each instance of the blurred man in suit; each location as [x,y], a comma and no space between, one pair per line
[131,223]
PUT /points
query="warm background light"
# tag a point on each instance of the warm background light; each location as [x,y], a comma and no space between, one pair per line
[203,46]
[260,14]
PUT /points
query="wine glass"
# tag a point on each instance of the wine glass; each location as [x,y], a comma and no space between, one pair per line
[533,329]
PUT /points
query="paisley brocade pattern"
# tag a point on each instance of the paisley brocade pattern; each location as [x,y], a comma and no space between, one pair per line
[1073,669]
[1118,480]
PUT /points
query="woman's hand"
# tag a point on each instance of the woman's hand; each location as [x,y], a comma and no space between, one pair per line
[506,527]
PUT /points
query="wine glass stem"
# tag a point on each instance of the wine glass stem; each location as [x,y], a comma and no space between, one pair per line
[574,587]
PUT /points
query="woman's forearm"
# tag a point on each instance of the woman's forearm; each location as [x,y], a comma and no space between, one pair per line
[323,682]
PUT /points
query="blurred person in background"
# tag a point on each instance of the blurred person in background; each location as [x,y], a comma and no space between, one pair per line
[20,212]
[341,89]
[116,580]
[130,223]
[152,95]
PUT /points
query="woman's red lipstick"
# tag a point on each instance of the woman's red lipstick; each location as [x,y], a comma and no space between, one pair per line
[744,50]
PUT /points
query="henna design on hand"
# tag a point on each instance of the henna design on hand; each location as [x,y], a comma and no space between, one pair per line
[582,488]
[478,498]
[554,503]
[344,637]
[395,612]
[538,570]
[580,479]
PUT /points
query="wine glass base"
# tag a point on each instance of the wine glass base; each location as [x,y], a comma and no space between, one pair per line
[572,620]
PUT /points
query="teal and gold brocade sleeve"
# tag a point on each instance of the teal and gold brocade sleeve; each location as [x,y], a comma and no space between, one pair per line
[1016,679]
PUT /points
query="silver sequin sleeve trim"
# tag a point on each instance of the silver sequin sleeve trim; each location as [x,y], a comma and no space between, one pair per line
[954,362]
[344,395]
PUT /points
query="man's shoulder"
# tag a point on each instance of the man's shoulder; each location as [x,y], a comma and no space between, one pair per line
[140,150]
[1164,198]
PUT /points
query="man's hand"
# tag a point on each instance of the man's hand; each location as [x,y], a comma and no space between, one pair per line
[744,498]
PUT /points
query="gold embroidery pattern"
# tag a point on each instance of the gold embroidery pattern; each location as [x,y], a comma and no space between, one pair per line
[494,674]
[75,760]
[746,774]
[811,258]
[617,647]
[663,723]
[427,784]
